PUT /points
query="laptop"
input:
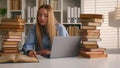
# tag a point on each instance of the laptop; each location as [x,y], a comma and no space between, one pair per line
[65,47]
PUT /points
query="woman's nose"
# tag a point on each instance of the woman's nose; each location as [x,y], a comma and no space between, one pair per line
[42,17]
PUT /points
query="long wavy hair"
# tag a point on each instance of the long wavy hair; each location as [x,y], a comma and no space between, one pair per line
[50,26]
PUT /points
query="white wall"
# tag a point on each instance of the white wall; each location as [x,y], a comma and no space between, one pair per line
[110,29]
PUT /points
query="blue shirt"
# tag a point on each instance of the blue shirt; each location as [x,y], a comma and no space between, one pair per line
[31,41]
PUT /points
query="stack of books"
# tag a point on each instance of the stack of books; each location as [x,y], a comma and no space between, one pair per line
[90,35]
[11,30]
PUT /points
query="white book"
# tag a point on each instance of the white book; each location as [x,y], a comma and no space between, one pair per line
[75,14]
[79,12]
[28,14]
[68,14]
[32,12]
[48,1]
[72,15]
[35,14]
[94,39]
[72,12]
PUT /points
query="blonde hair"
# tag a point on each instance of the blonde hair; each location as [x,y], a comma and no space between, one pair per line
[50,27]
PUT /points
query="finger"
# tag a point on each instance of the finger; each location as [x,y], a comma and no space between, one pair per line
[34,54]
[31,54]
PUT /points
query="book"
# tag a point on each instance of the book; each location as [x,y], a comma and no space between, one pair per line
[10,44]
[91,39]
[88,27]
[17,58]
[91,24]
[14,33]
[11,26]
[89,31]
[73,30]
[10,50]
[90,46]
[93,55]
[89,36]
[11,36]
[15,5]
[14,30]
[12,20]
[82,16]
[93,49]
[12,23]
[89,42]
[12,39]
[91,52]
[95,20]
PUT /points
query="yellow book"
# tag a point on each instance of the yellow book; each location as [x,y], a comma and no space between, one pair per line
[17,58]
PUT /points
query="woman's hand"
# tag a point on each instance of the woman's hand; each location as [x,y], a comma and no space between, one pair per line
[44,52]
[32,53]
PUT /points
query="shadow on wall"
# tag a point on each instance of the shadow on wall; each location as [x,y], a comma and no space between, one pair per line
[112,21]
[115,23]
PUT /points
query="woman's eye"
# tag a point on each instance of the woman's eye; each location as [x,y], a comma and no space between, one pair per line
[40,15]
[46,15]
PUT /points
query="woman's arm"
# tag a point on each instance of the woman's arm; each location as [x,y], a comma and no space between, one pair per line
[30,41]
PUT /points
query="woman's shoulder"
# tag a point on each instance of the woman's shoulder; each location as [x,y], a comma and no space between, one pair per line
[60,26]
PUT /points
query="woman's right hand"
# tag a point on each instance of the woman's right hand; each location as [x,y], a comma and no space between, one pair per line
[31,53]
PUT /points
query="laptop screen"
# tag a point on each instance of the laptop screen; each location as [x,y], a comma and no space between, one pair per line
[65,47]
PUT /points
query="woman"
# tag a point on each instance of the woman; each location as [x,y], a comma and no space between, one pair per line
[41,35]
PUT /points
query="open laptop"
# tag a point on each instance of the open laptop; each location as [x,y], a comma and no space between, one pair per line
[65,47]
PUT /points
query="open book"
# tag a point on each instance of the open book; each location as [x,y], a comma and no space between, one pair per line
[17,58]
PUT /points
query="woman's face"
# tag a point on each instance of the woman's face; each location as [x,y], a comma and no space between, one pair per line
[43,16]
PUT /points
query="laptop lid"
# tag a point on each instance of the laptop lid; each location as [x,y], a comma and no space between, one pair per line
[65,47]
